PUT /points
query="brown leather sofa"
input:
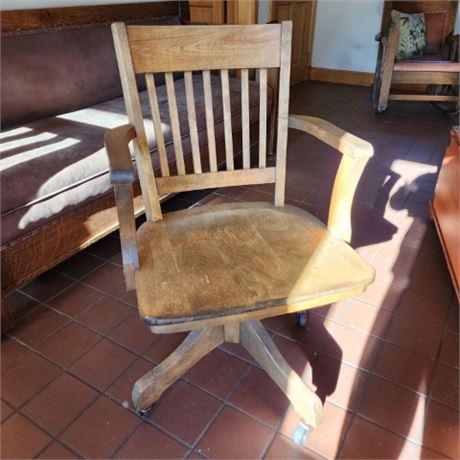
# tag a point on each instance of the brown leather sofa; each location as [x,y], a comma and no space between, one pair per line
[60,92]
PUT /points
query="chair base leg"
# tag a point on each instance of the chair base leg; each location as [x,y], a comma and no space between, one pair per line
[198,343]
[253,336]
[260,345]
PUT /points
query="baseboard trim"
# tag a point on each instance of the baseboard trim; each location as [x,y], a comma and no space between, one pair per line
[347,77]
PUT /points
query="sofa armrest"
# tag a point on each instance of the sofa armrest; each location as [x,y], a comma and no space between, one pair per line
[122,177]
[356,152]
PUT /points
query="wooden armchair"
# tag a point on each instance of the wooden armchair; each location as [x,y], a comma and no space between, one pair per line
[438,66]
[218,270]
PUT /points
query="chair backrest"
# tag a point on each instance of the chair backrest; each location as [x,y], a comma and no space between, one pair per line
[449,7]
[150,50]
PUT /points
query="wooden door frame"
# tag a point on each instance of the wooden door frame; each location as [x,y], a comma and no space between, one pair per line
[242,11]
[309,32]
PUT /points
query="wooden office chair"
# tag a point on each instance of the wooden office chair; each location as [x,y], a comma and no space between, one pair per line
[218,270]
[438,65]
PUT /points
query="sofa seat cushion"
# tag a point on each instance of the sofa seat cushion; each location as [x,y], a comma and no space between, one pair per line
[52,165]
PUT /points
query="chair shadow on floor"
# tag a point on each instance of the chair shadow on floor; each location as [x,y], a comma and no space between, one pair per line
[361,236]
[405,378]
[317,356]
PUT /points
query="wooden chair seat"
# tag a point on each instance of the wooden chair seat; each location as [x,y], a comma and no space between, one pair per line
[250,259]
[426,66]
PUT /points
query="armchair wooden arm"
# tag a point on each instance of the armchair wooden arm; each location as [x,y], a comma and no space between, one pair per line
[381,35]
[122,177]
[356,152]
[451,47]
[382,83]
[453,37]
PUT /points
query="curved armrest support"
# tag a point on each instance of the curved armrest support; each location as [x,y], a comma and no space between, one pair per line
[122,176]
[356,152]
[332,135]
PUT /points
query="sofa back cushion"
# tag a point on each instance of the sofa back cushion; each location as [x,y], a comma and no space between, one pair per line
[53,165]
[436,26]
[59,71]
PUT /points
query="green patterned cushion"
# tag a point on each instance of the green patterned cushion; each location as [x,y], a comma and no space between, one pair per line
[411,34]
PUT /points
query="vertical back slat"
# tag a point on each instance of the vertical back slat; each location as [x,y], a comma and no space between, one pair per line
[283,112]
[262,117]
[192,122]
[133,109]
[227,119]
[161,149]
[245,118]
[210,120]
[174,119]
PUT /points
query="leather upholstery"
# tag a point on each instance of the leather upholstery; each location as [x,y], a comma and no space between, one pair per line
[55,164]
[58,71]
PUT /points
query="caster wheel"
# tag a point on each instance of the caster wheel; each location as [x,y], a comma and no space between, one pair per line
[301,433]
[302,319]
[144,413]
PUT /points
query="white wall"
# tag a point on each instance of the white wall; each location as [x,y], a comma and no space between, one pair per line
[344,34]
[263,11]
[28,4]
[344,29]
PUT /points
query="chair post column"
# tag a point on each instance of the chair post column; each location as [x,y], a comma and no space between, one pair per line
[232,332]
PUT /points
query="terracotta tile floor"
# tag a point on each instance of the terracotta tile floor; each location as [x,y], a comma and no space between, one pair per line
[386,363]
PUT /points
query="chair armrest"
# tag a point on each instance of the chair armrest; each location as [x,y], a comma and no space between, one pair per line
[392,40]
[116,143]
[356,152]
[381,34]
[451,45]
[452,38]
[344,142]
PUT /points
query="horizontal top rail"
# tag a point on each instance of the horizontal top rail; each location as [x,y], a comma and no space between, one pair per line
[169,49]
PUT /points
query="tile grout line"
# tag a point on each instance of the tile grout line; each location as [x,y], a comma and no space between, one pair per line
[108,338]
[366,388]
[141,356]
[100,393]
[373,374]
[221,408]
[437,360]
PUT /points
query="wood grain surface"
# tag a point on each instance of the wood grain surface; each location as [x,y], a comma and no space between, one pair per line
[220,260]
